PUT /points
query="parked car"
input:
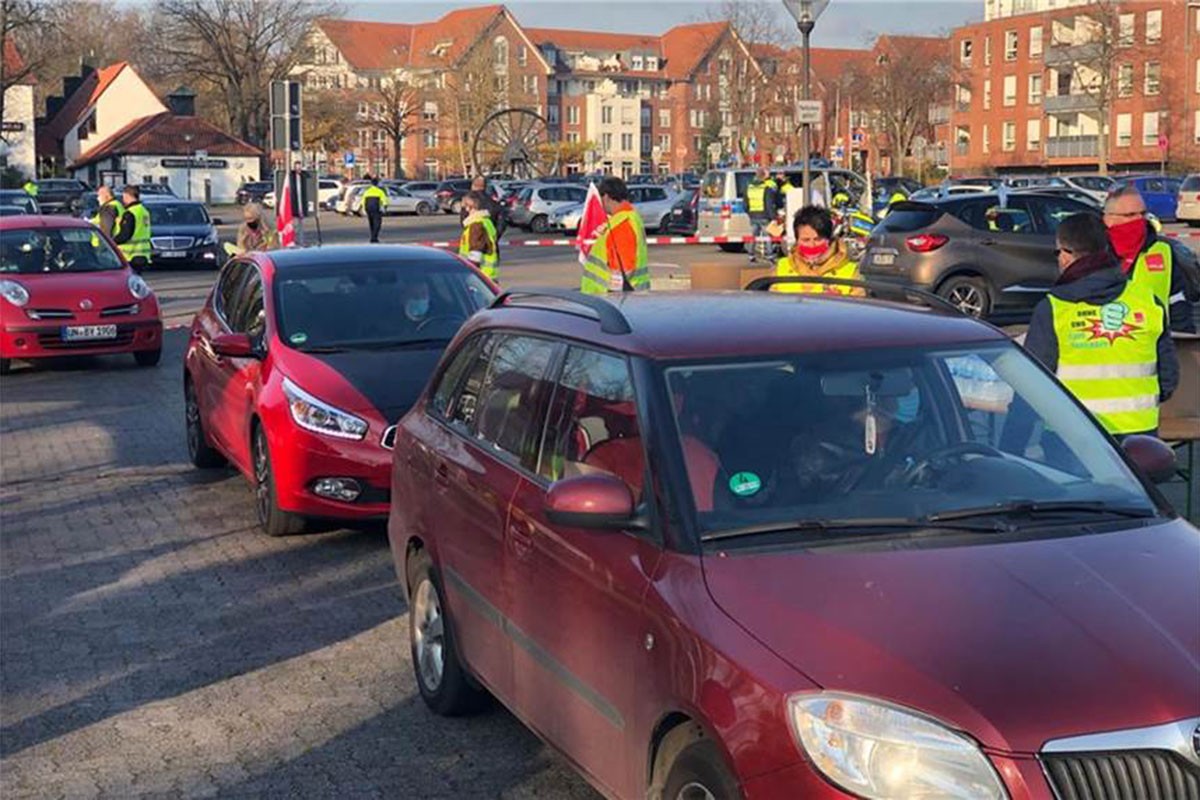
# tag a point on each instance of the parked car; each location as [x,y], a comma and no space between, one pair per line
[328,348]
[65,291]
[1161,193]
[426,190]
[1187,207]
[449,194]
[1098,186]
[182,233]
[538,201]
[937,192]
[987,257]
[400,201]
[17,201]
[1063,190]
[254,191]
[59,195]
[683,214]
[342,204]
[615,519]
[354,198]
[328,191]
[151,190]
[654,203]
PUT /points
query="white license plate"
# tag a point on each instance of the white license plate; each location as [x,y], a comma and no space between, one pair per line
[79,333]
[173,253]
[884,259]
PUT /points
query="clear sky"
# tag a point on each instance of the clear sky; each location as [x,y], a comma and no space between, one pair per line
[846,23]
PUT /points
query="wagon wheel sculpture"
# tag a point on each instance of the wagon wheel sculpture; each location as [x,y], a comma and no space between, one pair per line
[515,141]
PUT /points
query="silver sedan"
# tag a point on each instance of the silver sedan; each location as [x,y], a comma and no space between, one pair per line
[399,202]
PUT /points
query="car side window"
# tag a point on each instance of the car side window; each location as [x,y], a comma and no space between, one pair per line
[1050,212]
[1155,185]
[508,398]
[993,218]
[249,315]
[592,423]
[227,288]
[451,378]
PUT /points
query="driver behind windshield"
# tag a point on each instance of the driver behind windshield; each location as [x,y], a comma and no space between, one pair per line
[416,302]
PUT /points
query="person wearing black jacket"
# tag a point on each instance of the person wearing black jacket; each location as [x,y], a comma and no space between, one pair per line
[490,205]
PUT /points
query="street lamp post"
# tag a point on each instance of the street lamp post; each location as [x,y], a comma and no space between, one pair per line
[805,12]
[187,139]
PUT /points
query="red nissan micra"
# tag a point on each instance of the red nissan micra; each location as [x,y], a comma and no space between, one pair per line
[768,546]
[301,361]
[67,291]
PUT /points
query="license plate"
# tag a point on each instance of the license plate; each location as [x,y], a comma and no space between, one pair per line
[79,333]
[173,253]
[884,259]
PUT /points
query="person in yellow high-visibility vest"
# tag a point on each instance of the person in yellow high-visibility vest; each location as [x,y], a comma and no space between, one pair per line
[109,212]
[1105,337]
[619,260]
[818,253]
[133,229]
[478,241]
[374,204]
[762,200]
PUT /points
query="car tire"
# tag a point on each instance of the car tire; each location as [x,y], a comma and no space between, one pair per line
[424,209]
[663,223]
[970,293]
[442,678]
[5,366]
[148,358]
[539,224]
[732,248]
[274,520]
[202,454]
[699,773]
[456,207]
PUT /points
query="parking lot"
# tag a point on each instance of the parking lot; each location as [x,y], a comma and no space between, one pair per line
[156,643]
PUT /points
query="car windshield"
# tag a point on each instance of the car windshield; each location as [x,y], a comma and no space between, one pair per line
[904,434]
[1190,184]
[1095,183]
[19,200]
[176,214]
[55,250]
[341,306]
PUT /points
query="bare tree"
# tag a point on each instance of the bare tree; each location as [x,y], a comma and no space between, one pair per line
[398,106]
[238,47]
[755,22]
[470,92]
[328,125]
[20,21]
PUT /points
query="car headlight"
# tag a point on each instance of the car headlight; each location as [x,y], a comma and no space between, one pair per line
[311,414]
[878,751]
[14,292]
[138,287]
[210,239]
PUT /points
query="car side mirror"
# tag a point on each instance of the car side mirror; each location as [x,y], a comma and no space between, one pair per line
[1152,456]
[235,345]
[598,502]
[218,221]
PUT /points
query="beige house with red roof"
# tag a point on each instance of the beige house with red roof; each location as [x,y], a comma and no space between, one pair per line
[17,128]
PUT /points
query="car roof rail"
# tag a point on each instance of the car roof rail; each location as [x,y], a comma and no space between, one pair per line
[885,291]
[610,317]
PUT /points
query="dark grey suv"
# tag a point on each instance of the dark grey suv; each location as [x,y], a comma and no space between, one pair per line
[989,255]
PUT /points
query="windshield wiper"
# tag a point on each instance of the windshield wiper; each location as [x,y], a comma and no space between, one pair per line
[873,524]
[393,345]
[1035,507]
[322,349]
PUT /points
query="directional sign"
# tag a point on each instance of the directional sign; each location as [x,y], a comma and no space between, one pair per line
[808,112]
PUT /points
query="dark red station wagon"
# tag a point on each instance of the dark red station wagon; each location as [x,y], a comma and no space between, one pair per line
[782,546]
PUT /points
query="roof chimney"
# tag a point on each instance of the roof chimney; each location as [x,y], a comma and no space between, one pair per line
[182,102]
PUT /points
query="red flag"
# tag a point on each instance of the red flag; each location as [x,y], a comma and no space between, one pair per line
[593,217]
[286,218]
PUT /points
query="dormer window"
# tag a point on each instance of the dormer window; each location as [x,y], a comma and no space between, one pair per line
[441,48]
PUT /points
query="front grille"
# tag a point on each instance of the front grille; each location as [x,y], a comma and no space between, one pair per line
[49,313]
[54,341]
[171,242]
[1126,775]
[118,311]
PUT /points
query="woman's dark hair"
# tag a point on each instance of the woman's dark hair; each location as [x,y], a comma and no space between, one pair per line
[613,187]
[815,217]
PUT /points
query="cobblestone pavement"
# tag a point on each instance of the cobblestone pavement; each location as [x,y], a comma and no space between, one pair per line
[154,643]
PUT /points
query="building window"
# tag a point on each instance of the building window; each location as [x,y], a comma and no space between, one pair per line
[1033,134]
[987,94]
[987,139]
[500,54]
[1196,120]
[430,138]
[529,84]
[552,115]
[572,115]
[652,63]
[606,115]
[1198,76]
[1035,41]
[987,51]
[1010,90]
[606,141]
[963,97]
[664,141]
[965,48]
[1150,129]
[1153,77]
[1125,80]
[523,56]
[696,144]
[637,64]
[1010,136]
[430,112]
[1124,130]
[664,115]
[962,140]
[626,141]
[647,116]
[1125,30]
[1035,88]
[573,137]
[647,142]
[1010,45]
[1154,26]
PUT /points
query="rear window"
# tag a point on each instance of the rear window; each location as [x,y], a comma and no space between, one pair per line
[714,186]
[1095,183]
[1190,184]
[904,220]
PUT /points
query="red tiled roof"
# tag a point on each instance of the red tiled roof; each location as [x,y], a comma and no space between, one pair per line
[685,46]
[369,45]
[13,62]
[164,134]
[594,40]
[923,46]
[460,28]
[85,97]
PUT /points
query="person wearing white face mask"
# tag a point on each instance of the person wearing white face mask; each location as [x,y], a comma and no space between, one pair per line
[416,302]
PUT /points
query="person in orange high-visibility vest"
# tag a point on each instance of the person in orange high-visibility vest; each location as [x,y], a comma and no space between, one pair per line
[619,260]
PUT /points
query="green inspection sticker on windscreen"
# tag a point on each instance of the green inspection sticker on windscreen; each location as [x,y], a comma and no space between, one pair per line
[745,484]
[298,338]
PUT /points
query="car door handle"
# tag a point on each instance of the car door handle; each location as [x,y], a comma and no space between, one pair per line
[441,475]
[520,533]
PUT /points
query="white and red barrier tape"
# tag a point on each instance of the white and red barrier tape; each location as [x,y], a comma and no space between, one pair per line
[652,240]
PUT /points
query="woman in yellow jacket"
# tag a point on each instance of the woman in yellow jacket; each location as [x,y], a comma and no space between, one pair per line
[818,253]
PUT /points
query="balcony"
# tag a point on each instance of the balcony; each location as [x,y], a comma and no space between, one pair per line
[939,115]
[1065,55]
[1072,147]
[1067,103]
[962,148]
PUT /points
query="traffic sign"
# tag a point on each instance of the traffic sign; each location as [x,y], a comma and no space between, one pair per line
[348,159]
[1163,142]
[808,112]
[286,112]
[858,136]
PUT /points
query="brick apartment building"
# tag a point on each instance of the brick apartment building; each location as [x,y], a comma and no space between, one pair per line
[1032,93]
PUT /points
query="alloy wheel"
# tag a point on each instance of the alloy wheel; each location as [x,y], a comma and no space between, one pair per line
[695,791]
[192,419]
[968,299]
[428,629]
[262,479]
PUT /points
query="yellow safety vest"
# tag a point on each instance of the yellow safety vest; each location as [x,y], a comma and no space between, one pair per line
[1108,357]
[139,244]
[488,265]
[756,196]
[598,273]
[897,197]
[375,191]
[784,268]
[30,188]
[115,203]
[1153,270]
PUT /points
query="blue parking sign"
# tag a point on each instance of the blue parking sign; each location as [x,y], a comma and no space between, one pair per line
[348,159]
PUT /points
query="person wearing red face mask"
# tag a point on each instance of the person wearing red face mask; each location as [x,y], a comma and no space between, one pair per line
[817,254]
[1162,266]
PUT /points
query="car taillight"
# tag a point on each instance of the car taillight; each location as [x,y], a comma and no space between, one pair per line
[444,193]
[726,210]
[926,242]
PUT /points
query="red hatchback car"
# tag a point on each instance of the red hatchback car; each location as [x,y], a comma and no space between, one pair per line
[767,546]
[67,291]
[301,361]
